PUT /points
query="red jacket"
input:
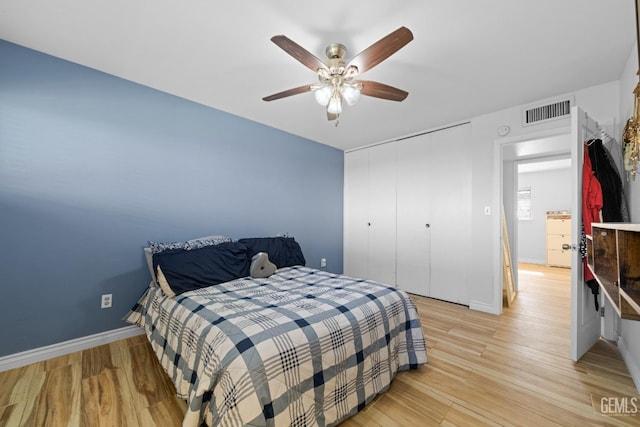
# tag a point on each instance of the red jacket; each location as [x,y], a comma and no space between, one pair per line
[591,202]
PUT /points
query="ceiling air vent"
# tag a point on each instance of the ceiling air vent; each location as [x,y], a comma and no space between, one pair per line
[541,113]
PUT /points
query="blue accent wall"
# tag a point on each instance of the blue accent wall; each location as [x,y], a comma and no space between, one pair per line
[93,166]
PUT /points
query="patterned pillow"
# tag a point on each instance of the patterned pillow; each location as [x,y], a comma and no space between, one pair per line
[201,242]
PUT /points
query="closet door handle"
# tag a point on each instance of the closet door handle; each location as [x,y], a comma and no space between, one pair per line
[427,225]
[566,247]
[369,224]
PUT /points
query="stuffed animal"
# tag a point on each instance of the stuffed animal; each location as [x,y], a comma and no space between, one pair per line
[261,266]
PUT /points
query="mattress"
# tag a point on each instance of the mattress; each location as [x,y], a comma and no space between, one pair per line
[301,347]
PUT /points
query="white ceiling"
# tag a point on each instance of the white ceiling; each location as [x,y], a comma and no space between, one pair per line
[468,57]
[540,155]
[536,149]
[542,166]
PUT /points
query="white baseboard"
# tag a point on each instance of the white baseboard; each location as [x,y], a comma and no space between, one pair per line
[484,307]
[634,369]
[59,349]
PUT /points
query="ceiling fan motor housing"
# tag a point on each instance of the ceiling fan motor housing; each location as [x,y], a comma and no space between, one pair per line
[336,50]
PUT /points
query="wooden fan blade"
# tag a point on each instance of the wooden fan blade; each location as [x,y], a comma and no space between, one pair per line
[382,49]
[290,92]
[305,57]
[380,90]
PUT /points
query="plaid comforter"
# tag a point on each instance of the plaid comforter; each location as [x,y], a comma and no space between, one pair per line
[303,347]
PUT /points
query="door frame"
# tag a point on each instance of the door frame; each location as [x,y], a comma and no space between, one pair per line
[498,197]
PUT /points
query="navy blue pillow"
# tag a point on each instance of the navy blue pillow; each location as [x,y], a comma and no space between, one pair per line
[186,270]
[283,251]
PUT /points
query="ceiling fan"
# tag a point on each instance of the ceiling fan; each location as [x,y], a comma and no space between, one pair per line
[337,79]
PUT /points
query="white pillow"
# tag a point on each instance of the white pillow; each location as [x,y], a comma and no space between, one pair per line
[149,257]
[164,285]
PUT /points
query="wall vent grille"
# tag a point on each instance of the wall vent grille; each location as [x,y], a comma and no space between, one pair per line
[547,112]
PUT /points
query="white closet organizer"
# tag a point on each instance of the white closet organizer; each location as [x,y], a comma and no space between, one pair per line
[408,214]
[559,239]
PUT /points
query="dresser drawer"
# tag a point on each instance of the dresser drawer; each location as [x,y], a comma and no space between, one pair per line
[557,240]
[559,257]
[559,226]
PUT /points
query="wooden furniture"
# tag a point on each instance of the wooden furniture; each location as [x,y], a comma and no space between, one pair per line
[559,239]
[613,251]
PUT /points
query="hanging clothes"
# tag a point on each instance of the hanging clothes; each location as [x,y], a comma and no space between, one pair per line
[613,198]
[592,197]
[604,204]
[591,207]
[614,150]
[614,153]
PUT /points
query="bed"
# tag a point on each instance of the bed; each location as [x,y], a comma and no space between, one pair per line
[301,347]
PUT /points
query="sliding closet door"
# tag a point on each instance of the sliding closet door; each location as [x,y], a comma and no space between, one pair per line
[407,214]
[356,213]
[382,213]
[413,217]
[450,210]
[370,213]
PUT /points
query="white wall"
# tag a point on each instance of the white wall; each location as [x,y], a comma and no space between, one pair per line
[611,105]
[601,102]
[550,191]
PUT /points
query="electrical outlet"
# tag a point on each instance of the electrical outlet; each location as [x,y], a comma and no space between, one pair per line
[106,301]
[323,262]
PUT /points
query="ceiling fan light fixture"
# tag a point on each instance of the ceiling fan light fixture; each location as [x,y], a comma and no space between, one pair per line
[335,105]
[323,95]
[337,78]
[350,93]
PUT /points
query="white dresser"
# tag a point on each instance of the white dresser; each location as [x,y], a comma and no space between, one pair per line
[559,239]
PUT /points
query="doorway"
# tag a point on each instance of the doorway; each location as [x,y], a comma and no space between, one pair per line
[536,175]
[586,326]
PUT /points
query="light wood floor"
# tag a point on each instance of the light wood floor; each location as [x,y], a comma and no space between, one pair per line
[483,369]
